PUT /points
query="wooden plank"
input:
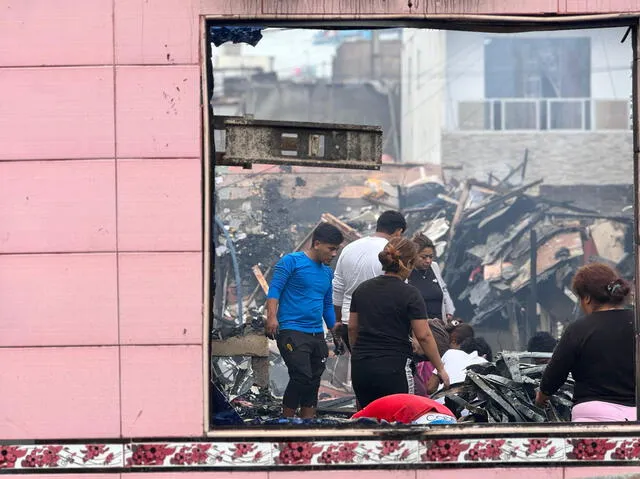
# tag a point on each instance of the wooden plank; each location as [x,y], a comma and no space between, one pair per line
[260,277]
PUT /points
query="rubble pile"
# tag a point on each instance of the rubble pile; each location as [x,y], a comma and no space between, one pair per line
[505,391]
[483,234]
[502,247]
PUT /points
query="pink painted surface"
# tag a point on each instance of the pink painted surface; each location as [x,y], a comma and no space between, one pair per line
[201,475]
[337,474]
[162,391]
[598,6]
[61,300]
[59,393]
[160,298]
[592,472]
[285,8]
[158,111]
[350,8]
[56,113]
[73,33]
[156,32]
[66,476]
[159,205]
[495,473]
[61,206]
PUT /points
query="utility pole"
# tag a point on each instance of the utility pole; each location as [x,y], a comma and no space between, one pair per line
[376,70]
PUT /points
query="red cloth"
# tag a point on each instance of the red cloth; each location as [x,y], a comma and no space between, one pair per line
[403,408]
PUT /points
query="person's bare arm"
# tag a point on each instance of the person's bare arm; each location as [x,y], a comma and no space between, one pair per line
[271,325]
[425,338]
[353,329]
[338,310]
[337,283]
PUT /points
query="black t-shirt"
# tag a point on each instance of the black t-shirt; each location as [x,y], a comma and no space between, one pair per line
[427,284]
[386,305]
[599,352]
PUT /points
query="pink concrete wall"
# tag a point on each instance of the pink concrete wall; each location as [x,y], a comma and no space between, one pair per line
[100,207]
[335,8]
[100,219]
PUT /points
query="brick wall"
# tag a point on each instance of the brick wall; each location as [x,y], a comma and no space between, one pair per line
[568,158]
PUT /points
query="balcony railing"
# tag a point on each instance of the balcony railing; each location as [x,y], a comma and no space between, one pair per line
[578,114]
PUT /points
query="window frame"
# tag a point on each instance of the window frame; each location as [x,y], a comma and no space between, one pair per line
[474,23]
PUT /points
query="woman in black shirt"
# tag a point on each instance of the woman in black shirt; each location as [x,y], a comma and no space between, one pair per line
[384,312]
[427,278]
[598,350]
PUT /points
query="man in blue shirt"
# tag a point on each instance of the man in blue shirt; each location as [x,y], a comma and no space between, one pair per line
[299,298]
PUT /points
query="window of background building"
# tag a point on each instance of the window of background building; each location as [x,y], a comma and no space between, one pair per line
[538,83]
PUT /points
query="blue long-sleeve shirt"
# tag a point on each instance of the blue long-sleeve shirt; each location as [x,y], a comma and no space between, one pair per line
[303,289]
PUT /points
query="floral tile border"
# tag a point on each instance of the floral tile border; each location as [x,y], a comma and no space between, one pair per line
[480,451]
[60,456]
[345,453]
[603,449]
[197,454]
[214,454]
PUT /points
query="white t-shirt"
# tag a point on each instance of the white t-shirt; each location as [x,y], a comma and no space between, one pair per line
[357,263]
[456,361]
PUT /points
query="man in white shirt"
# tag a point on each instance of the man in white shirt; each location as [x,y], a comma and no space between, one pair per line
[359,262]
[456,361]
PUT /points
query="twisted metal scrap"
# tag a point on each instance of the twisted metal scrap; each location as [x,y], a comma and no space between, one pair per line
[505,391]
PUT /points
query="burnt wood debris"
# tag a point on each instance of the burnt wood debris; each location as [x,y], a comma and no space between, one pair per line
[488,234]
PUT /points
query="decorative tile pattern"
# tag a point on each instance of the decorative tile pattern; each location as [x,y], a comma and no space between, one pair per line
[345,453]
[627,449]
[198,454]
[56,456]
[603,449]
[188,455]
[538,449]
[492,450]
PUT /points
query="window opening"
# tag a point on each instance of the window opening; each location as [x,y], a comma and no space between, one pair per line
[512,217]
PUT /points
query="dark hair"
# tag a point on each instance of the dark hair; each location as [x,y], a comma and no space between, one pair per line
[479,344]
[461,332]
[390,221]
[440,334]
[326,233]
[602,283]
[398,255]
[541,342]
[422,241]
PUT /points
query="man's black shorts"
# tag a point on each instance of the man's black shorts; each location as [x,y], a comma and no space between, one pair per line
[305,355]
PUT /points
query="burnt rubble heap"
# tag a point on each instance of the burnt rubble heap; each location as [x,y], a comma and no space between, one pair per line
[508,254]
[505,391]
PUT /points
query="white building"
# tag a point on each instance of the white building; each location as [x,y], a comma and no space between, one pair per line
[478,100]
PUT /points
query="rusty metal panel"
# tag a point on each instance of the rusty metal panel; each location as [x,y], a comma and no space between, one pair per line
[251,141]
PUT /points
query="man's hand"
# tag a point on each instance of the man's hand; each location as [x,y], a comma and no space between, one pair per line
[271,327]
[449,317]
[336,334]
[541,399]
